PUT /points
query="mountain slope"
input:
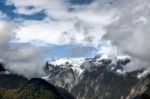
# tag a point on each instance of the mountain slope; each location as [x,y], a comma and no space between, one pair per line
[99,78]
[12,81]
[33,89]
[38,89]
[9,80]
[13,86]
[2,69]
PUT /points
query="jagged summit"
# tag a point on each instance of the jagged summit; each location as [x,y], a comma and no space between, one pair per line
[68,72]
[100,77]
[77,66]
[64,61]
[81,64]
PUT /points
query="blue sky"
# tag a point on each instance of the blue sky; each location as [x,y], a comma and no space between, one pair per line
[33,30]
[9,8]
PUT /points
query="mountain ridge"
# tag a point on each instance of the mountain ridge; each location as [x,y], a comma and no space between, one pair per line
[35,88]
[13,86]
[101,78]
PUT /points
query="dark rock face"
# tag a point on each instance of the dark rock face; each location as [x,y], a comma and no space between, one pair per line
[65,93]
[39,88]
[41,85]
[99,79]
[35,89]
[2,69]
[103,84]
[14,86]
[12,81]
[64,73]
[146,93]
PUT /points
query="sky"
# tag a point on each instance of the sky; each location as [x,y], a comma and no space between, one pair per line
[33,31]
[28,16]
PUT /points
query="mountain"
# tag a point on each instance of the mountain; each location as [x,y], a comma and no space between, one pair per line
[99,77]
[12,81]
[9,80]
[35,89]
[13,86]
[2,69]
[39,89]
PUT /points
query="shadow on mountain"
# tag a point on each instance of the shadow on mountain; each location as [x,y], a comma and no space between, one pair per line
[2,69]
[13,86]
[143,96]
[35,89]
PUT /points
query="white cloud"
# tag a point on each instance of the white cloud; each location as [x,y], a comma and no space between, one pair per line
[47,32]
[130,34]
[81,27]
[143,74]
[51,7]
[27,11]
[125,25]
[85,25]
[6,34]
[23,60]
[26,60]
[61,32]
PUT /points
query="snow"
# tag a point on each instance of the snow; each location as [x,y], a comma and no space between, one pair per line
[80,64]
[75,62]
[45,77]
[120,71]
[104,57]
[123,57]
[59,62]
[143,74]
[63,61]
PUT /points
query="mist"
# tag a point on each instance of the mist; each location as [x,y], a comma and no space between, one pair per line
[113,27]
[23,59]
[130,34]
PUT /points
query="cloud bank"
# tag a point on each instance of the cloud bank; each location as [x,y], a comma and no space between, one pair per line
[112,26]
[130,34]
[24,59]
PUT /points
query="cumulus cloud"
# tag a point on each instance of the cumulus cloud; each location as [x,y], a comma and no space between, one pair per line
[84,25]
[51,7]
[60,32]
[113,26]
[6,34]
[130,34]
[24,59]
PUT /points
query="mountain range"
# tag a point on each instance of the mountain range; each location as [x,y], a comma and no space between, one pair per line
[13,86]
[99,77]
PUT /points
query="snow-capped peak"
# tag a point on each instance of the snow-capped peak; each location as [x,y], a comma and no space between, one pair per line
[75,63]
[123,57]
[69,71]
[64,61]
[79,65]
